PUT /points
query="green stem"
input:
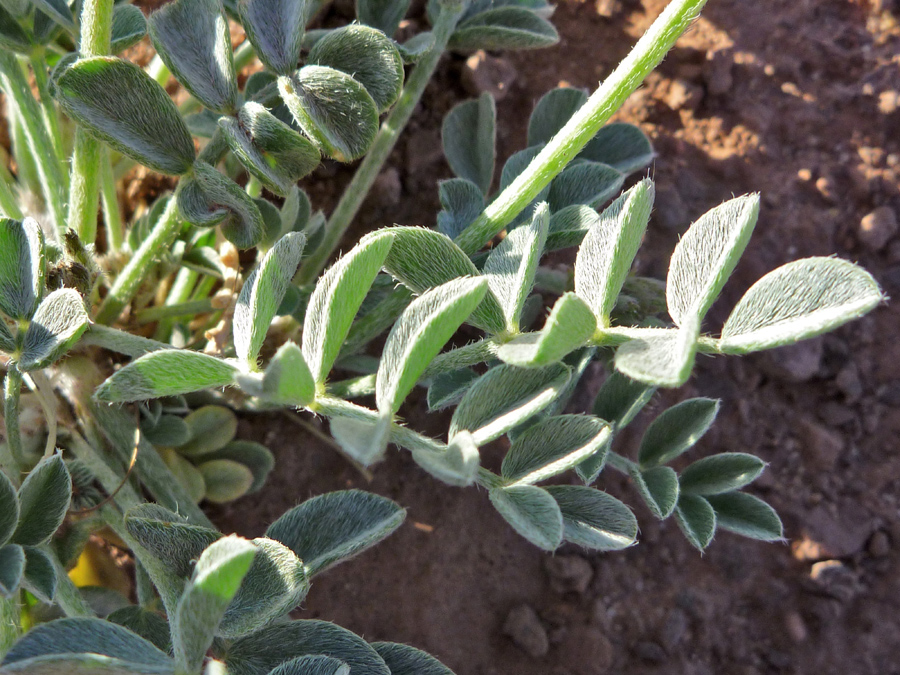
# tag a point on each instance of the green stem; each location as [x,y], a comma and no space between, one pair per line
[371,165]
[129,280]
[158,71]
[119,341]
[51,117]
[243,55]
[27,173]
[620,463]
[469,355]
[585,123]
[84,193]
[181,290]
[12,459]
[189,308]
[115,228]
[19,98]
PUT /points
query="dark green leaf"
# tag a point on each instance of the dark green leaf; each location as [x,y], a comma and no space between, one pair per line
[514,166]
[551,113]
[21,267]
[405,660]
[621,145]
[532,512]
[594,519]
[588,183]
[169,537]
[416,47]
[448,388]
[469,137]
[569,326]
[696,519]
[676,430]
[149,625]
[225,480]
[43,501]
[385,15]
[462,202]
[211,427]
[128,28]
[333,527]
[658,487]
[7,341]
[275,27]
[12,567]
[368,56]
[620,399]
[57,324]
[288,380]
[9,508]
[168,431]
[120,104]
[59,11]
[504,28]
[40,574]
[254,456]
[569,226]
[313,665]
[747,516]
[720,473]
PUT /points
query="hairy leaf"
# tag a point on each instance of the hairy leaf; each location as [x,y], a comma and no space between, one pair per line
[594,519]
[275,27]
[469,137]
[149,625]
[59,11]
[621,145]
[620,399]
[192,39]
[44,498]
[696,519]
[333,527]
[459,463]
[532,512]
[21,267]
[569,326]
[211,427]
[504,28]
[405,660]
[448,388]
[676,430]
[551,113]
[362,440]
[128,28]
[12,36]
[9,509]
[720,473]
[169,537]
[57,324]
[166,373]
[254,456]
[12,567]
[168,431]
[7,341]
[40,574]
[462,202]
[225,480]
[569,226]
[416,47]
[313,665]
[747,516]
[588,183]
[514,166]
[660,357]
[658,487]
[287,380]
[120,104]
[797,301]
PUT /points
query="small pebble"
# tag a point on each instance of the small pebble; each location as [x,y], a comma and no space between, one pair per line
[524,628]
[877,228]
[486,73]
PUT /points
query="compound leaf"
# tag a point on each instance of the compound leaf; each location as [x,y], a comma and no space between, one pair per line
[720,473]
[588,183]
[192,39]
[313,665]
[276,29]
[57,324]
[504,28]
[405,660]
[168,431]
[551,113]
[594,519]
[40,574]
[696,519]
[658,487]
[705,257]
[469,137]
[660,357]
[117,102]
[262,294]
[457,465]
[462,201]
[532,512]
[287,380]
[620,145]
[166,373]
[21,267]
[128,28]
[385,15]
[569,326]
[12,568]
[333,527]
[44,498]
[676,430]
[797,301]
[362,440]
[9,508]
[747,516]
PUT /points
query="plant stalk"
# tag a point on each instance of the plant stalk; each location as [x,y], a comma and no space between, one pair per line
[371,165]
[51,118]
[585,123]
[120,341]
[12,459]
[9,205]
[112,213]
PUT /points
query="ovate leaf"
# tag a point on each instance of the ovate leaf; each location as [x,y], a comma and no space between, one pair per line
[462,202]
[469,137]
[457,465]
[720,473]
[660,357]
[569,226]
[594,519]
[416,47]
[169,537]
[621,145]
[57,324]
[334,110]
[797,301]
[532,512]
[149,625]
[9,508]
[254,456]
[40,574]
[552,446]
[262,294]
[43,501]
[405,660]
[747,516]
[275,27]
[609,248]
[166,373]
[21,267]
[588,183]
[363,440]
[120,104]
[504,28]
[192,39]
[569,326]
[333,527]
[551,113]
[676,430]
[185,473]
[225,480]
[620,399]
[210,427]
[696,519]
[168,431]
[313,665]
[448,388]
[705,257]
[505,397]
[287,380]
[658,487]
[12,567]
[128,28]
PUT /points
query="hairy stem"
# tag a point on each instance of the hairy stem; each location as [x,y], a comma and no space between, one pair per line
[368,170]
[51,117]
[563,147]
[11,457]
[112,213]
[120,341]
[469,355]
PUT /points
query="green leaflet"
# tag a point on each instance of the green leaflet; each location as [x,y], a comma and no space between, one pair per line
[385,15]
[225,480]
[620,399]
[551,113]
[504,28]
[9,509]
[368,56]
[262,294]
[594,519]
[363,440]
[747,516]
[333,109]
[57,324]
[799,300]
[676,430]
[337,298]
[12,567]
[660,357]
[187,475]
[7,341]
[169,537]
[59,11]
[120,104]
[313,665]
[569,226]
[287,380]
[620,145]
[333,527]
[457,465]
[705,257]
[469,137]
[416,47]
[40,574]
[21,267]
[168,431]
[462,202]
[505,397]
[128,28]
[276,29]
[514,166]
[448,388]
[12,36]
[44,498]
[720,473]
[149,625]
[609,249]
[257,458]
[588,183]
[210,427]
[511,265]
[192,39]
[422,259]
[696,519]
[658,487]
[214,582]
[406,660]
[273,152]
[166,373]
[552,446]
[569,326]
[532,512]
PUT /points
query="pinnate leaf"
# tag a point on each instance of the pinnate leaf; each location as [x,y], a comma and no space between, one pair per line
[658,487]
[569,326]
[457,465]
[57,324]
[594,519]
[676,430]
[169,537]
[551,113]
[276,28]
[363,440]
[797,301]
[21,267]
[462,202]
[747,516]
[406,660]
[333,527]
[720,473]
[504,28]
[225,480]
[620,399]
[254,456]
[620,145]
[210,427]
[12,567]
[120,104]
[532,512]
[469,137]
[448,388]
[696,519]
[43,501]
[569,226]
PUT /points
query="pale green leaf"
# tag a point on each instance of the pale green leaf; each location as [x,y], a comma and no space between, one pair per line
[210,428]
[287,380]
[532,512]
[551,113]
[405,660]
[621,145]
[21,267]
[504,28]
[9,508]
[588,183]
[364,441]
[128,28]
[676,430]
[184,471]
[57,324]
[797,301]
[313,665]
[660,357]
[40,574]
[705,257]
[594,519]
[333,527]
[12,568]
[225,480]
[658,487]
[457,465]
[44,498]
[462,202]
[569,326]
[747,516]
[385,15]
[192,39]
[609,248]
[469,137]
[696,519]
[720,473]
[120,104]
[276,28]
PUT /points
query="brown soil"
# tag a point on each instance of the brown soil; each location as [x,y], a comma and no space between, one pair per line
[797,100]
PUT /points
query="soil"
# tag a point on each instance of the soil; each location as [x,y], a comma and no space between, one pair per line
[796,99]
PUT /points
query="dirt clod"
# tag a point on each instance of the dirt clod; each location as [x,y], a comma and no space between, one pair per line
[877,228]
[486,73]
[525,629]
[588,647]
[569,573]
